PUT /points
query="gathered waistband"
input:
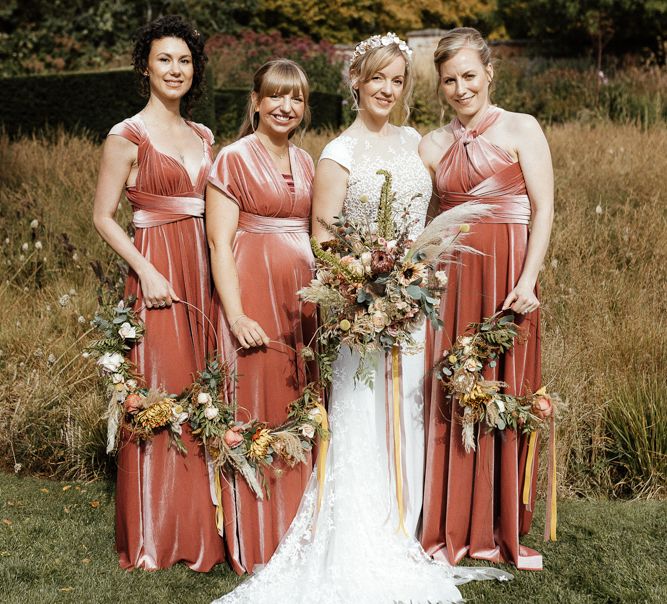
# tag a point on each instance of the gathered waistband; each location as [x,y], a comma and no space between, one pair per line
[507,209]
[254,223]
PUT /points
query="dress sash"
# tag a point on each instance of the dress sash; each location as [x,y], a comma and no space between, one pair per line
[154,210]
[254,223]
[507,209]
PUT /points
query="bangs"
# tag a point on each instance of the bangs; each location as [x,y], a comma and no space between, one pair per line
[284,78]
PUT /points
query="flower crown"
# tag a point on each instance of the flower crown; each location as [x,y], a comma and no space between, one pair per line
[376,41]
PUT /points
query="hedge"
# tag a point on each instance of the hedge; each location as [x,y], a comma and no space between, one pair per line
[90,101]
[95,101]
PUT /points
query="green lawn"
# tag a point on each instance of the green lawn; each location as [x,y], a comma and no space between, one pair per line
[56,545]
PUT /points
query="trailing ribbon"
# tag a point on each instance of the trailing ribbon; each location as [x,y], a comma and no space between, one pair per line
[551,520]
[552,510]
[219,513]
[398,467]
[322,455]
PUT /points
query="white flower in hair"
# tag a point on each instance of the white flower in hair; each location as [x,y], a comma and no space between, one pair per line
[377,41]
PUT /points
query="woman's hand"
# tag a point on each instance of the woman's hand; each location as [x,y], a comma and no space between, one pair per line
[156,290]
[248,332]
[522,299]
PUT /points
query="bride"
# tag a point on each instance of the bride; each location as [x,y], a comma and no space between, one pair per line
[358,544]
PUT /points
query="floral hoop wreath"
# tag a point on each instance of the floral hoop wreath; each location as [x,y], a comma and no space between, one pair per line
[460,373]
[249,448]
[377,41]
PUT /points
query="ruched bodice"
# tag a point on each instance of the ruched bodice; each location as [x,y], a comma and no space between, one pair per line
[475,169]
[164,512]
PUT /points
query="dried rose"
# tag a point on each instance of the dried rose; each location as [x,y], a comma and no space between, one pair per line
[308,430]
[232,437]
[211,412]
[204,398]
[127,332]
[543,406]
[132,403]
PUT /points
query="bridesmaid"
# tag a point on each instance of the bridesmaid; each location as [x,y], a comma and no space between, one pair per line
[258,208]
[473,506]
[164,512]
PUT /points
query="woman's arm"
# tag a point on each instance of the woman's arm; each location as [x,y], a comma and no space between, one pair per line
[329,188]
[535,160]
[118,157]
[222,218]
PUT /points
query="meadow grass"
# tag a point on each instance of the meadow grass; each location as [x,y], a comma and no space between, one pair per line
[56,545]
[604,306]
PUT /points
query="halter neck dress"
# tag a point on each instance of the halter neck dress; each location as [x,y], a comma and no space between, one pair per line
[164,511]
[472,500]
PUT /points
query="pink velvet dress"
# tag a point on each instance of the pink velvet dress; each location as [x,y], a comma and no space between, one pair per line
[274,260]
[164,511]
[472,501]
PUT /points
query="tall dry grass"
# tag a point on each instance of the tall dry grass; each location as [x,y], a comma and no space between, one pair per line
[603,287]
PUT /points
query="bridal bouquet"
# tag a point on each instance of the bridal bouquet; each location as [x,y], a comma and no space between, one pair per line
[374,285]
[460,372]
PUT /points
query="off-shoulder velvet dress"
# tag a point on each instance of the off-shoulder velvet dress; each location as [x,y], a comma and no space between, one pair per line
[164,511]
[274,260]
[472,501]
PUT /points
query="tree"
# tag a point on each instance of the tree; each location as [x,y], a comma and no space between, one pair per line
[570,25]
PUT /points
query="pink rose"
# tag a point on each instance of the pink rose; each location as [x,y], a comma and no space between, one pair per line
[132,403]
[232,437]
[543,407]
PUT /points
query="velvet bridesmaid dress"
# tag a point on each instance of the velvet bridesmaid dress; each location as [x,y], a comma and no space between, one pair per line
[164,510]
[274,260]
[472,501]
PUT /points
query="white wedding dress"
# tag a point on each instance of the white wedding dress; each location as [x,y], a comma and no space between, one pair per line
[351,550]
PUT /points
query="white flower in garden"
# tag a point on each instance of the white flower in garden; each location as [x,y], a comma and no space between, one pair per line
[34,224]
[117,378]
[6,240]
[75,257]
[598,210]
[127,332]
[25,247]
[51,359]
[211,412]
[38,245]
[64,300]
[204,398]
[308,430]
[85,355]
[110,361]
[81,319]
[72,292]
[21,257]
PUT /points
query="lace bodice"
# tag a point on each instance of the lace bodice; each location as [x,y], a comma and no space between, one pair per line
[396,153]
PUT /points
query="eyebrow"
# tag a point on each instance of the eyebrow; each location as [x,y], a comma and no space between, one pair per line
[188,56]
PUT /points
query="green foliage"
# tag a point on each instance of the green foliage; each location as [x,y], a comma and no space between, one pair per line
[637,449]
[93,101]
[567,25]
[45,36]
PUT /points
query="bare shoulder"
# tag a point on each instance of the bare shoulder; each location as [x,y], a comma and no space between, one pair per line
[434,145]
[119,148]
[521,125]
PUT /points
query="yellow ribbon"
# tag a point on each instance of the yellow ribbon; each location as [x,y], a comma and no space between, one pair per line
[219,513]
[396,392]
[322,456]
[528,477]
[552,512]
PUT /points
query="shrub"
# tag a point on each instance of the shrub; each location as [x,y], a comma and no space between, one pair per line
[90,101]
[234,59]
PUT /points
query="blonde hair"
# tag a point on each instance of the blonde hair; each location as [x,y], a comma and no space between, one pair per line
[451,43]
[280,76]
[365,66]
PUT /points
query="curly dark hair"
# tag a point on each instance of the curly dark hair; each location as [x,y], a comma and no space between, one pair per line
[171,26]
